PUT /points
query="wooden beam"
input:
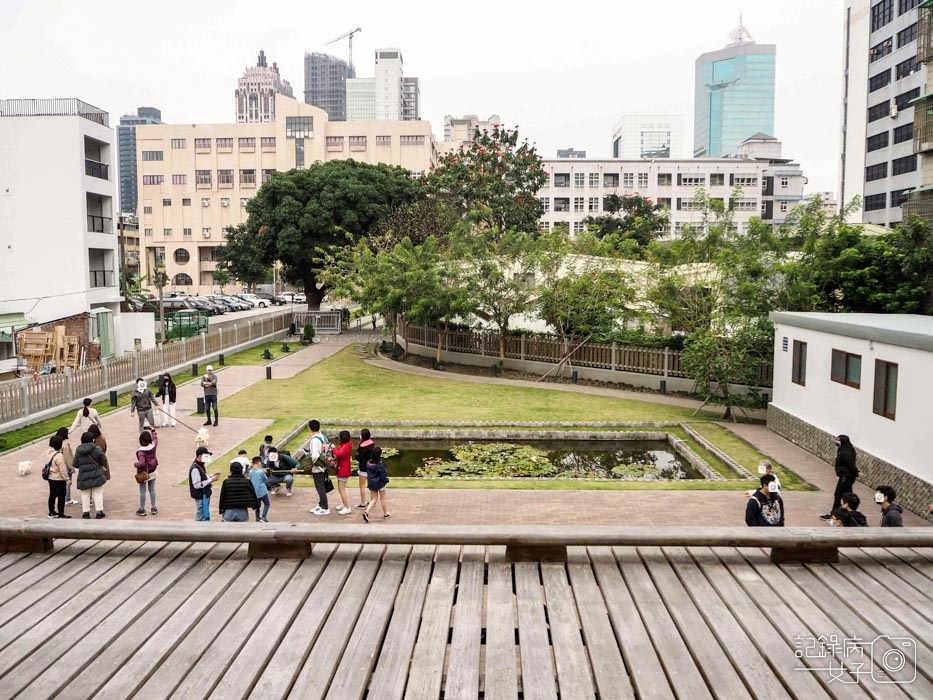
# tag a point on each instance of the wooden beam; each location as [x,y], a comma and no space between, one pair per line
[25,544]
[805,555]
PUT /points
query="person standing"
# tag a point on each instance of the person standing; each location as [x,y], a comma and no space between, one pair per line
[69,457]
[257,474]
[99,438]
[765,508]
[85,418]
[59,476]
[141,404]
[378,478]
[209,384]
[846,472]
[363,453]
[316,448]
[237,496]
[168,393]
[200,484]
[146,465]
[92,467]
[342,454]
[891,512]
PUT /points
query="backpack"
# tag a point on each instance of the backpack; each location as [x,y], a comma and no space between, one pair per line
[327,458]
[47,469]
[770,511]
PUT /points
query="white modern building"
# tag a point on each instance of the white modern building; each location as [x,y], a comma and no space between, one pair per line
[256,91]
[768,185]
[361,99]
[649,136]
[868,376]
[388,96]
[828,201]
[389,74]
[59,262]
[458,131]
[881,78]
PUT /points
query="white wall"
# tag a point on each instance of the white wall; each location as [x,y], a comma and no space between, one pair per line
[841,409]
[128,327]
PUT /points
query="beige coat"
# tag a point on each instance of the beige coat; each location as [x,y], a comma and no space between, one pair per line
[59,470]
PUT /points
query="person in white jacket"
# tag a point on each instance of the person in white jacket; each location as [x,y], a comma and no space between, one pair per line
[85,418]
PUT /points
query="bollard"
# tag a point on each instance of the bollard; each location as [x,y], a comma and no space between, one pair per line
[766,397]
[194,369]
[285,347]
[200,405]
[220,359]
[268,372]
[495,370]
[113,397]
[573,377]
[663,386]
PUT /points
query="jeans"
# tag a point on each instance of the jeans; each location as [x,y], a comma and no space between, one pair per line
[68,487]
[57,495]
[144,416]
[319,479]
[278,479]
[236,515]
[208,402]
[142,494]
[202,508]
[265,506]
[98,494]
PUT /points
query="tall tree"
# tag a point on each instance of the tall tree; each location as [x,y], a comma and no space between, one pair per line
[243,256]
[630,217]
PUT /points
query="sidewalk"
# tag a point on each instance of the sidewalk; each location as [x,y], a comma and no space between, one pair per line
[26,496]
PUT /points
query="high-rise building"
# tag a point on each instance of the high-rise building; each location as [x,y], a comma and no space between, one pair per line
[361,99]
[411,99]
[649,136]
[197,178]
[256,90]
[57,205]
[126,138]
[326,84]
[882,79]
[919,200]
[388,84]
[388,96]
[733,95]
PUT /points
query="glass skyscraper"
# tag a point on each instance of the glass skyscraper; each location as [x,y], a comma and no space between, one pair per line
[126,133]
[734,96]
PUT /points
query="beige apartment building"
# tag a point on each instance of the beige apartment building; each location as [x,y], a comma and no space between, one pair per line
[195,179]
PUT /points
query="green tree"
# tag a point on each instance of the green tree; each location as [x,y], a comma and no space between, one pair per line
[243,256]
[582,302]
[221,278]
[493,181]
[160,281]
[629,217]
[301,215]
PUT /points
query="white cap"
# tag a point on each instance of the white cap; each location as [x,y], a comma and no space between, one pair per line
[210,368]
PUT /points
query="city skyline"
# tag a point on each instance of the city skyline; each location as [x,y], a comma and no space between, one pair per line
[560,87]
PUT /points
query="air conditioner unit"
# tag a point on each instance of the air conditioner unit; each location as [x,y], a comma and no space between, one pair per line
[206,234]
[205,202]
[225,203]
[893,111]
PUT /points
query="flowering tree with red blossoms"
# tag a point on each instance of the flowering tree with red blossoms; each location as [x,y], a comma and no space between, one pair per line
[493,181]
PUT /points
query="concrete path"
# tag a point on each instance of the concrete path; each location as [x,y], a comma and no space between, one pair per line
[26,496]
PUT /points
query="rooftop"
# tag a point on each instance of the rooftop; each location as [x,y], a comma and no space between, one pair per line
[53,107]
[904,330]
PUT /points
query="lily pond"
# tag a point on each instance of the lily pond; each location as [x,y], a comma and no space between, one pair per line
[583,459]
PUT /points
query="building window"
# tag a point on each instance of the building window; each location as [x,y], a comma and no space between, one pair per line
[357,142]
[579,227]
[225,201]
[147,232]
[717,179]
[243,201]
[879,51]
[846,368]
[544,226]
[166,202]
[561,179]
[593,204]
[299,127]
[411,140]
[594,180]
[785,182]
[224,177]
[202,177]
[147,210]
[879,111]
[907,35]
[579,179]
[383,140]
[876,82]
[178,143]
[225,143]
[205,201]
[881,13]
[691,180]
[898,197]
[874,202]
[904,133]
[611,180]
[267,175]
[906,5]
[202,144]
[903,100]
[562,204]
[167,232]
[745,180]
[186,232]
[152,155]
[181,279]
[905,68]
[186,202]
[206,232]
[267,141]
[179,179]
[877,141]
[876,172]
[798,370]
[628,181]
[335,143]
[642,180]
[665,179]
[299,153]
[741,205]
[248,177]
[885,397]
[907,164]
[153,179]
[545,203]
[578,203]
[246,142]
[783,206]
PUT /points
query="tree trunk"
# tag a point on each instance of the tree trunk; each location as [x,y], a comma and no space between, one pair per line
[161,315]
[502,346]
[314,295]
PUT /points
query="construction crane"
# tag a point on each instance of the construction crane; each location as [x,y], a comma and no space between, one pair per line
[348,35]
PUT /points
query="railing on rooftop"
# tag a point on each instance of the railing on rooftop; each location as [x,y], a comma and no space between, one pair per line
[925,33]
[54,107]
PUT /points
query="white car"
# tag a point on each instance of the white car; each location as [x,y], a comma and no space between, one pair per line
[254,300]
[293,297]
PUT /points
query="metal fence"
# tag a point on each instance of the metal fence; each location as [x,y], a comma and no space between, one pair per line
[21,398]
[326,322]
[622,358]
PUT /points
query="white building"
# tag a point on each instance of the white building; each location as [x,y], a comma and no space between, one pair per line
[458,131]
[389,84]
[771,186]
[256,91]
[649,136]
[827,199]
[881,78]
[57,202]
[868,376]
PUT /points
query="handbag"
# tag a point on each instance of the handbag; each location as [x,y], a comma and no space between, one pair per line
[105,468]
[142,476]
[328,485]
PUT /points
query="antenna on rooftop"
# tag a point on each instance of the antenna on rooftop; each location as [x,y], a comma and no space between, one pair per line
[740,35]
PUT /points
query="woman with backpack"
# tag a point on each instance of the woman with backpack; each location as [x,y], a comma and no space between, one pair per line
[69,457]
[58,476]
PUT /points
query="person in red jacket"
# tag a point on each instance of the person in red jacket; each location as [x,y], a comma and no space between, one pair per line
[342,451]
[146,465]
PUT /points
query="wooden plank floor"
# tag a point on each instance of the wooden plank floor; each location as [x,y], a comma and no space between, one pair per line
[200,620]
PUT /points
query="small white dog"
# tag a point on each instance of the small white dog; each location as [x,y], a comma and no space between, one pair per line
[25,468]
[201,439]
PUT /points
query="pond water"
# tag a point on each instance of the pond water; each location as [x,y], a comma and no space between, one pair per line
[584,459]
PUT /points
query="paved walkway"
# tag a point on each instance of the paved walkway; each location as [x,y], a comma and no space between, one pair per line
[26,496]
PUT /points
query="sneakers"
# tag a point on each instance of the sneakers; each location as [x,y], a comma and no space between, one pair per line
[362,505]
[154,511]
[386,516]
[365,516]
[86,516]
[100,515]
[288,492]
[53,515]
[344,511]
[207,422]
[215,424]
[63,517]
[826,516]
[320,511]
[71,503]
[141,511]
[261,520]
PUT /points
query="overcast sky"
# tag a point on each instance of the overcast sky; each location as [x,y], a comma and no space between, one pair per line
[563,72]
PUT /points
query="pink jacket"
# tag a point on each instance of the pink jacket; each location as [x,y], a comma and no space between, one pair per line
[146,456]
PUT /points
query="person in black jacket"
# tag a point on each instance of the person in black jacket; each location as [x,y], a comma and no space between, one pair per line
[851,502]
[891,512]
[846,472]
[168,393]
[237,496]
[764,508]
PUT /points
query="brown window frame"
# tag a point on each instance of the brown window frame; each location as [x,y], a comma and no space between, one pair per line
[839,368]
[798,372]
[880,398]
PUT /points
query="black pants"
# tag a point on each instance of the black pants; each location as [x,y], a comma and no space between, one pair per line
[208,402]
[320,479]
[843,485]
[57,493]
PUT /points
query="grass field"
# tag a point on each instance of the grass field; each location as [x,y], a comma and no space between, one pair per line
[253,356]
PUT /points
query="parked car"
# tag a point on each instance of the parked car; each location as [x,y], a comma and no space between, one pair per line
[254,300]
[292,298]
[274,301]
[205,305]
[231,303]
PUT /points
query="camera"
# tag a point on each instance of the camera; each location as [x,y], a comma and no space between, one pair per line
[893,659]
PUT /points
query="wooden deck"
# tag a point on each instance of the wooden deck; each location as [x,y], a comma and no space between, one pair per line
[119,619]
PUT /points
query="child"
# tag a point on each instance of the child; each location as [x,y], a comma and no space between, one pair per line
[257,474]
[146,464]
[378,477]
[264,449]
[342,454]
[850,503]
[243,460]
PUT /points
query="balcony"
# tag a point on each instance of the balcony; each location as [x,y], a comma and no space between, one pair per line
[56,107]
[919,203]
[925,33]
[101,278]
[99,224]
[95,169]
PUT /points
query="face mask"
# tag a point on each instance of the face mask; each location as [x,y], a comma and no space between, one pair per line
[140,386]
[773,487]
[838,443]
[273,457]
[165,379]
[761,469]
[879,498]
[205,459]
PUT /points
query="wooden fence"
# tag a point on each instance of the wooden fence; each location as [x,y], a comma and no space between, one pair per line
[21,398]
[662,362]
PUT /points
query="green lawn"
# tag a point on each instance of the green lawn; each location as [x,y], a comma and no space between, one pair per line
[253,356]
